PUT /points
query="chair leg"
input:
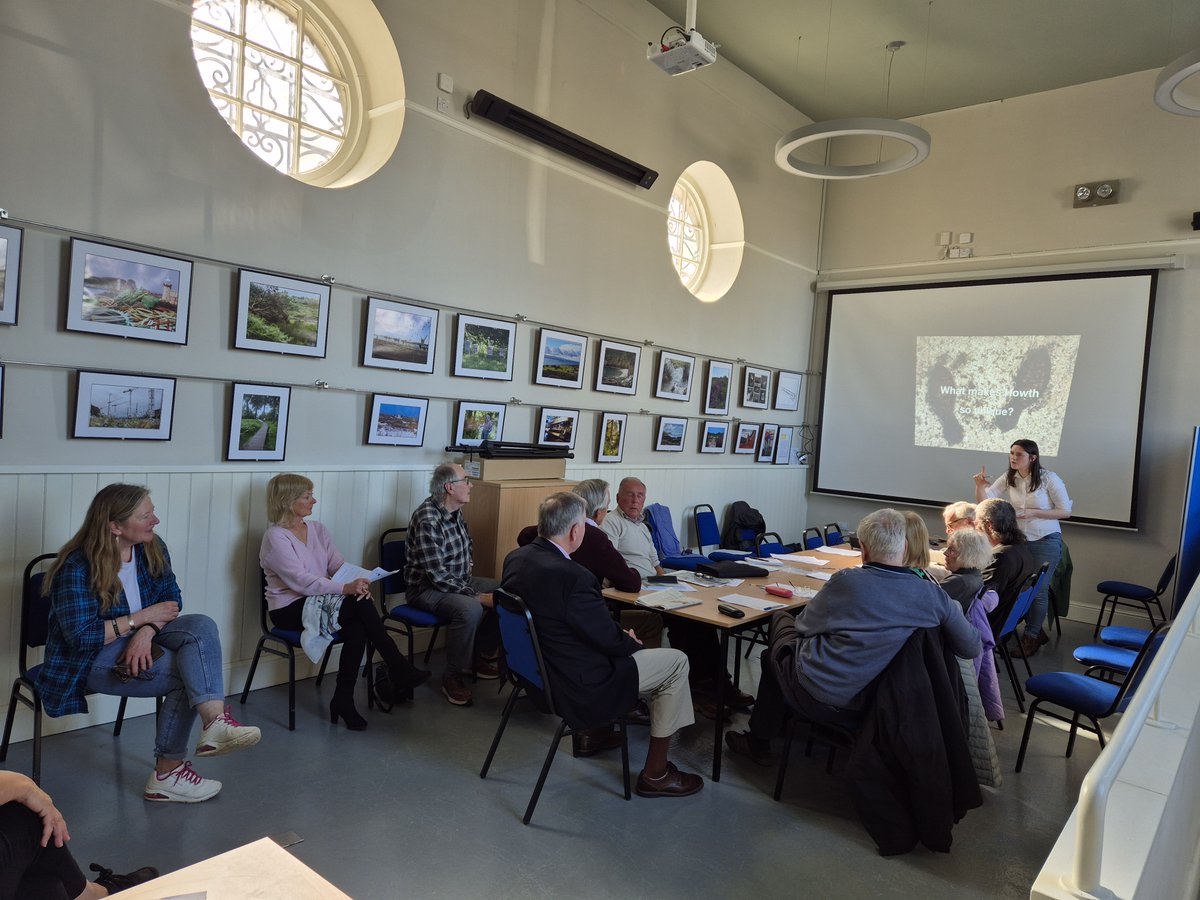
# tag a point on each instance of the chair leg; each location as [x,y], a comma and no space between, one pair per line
[1099,731]
[537,790]
[1012,675]
[789,732]
[508,708]
[1025,737]
[37,739]
[291,688]
[253,666]
[120,717]
[1071,736]
[625,758]
[432,641]
[1028,671]
[8,722]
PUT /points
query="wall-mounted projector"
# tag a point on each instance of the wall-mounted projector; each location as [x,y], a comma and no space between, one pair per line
[685,53]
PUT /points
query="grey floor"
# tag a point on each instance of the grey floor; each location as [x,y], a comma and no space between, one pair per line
[400,810]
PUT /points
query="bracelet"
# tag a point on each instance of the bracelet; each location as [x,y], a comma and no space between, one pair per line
[157,630]
[132,628]
[116,627]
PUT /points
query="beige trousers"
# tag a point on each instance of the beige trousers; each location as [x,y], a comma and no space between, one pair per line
[663,682]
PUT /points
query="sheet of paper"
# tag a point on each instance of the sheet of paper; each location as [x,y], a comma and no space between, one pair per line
[838,551]
[350,572]
[682,586]
[700,579]
[752,602]
[801,558]
[820,576]
[669,599]
[798,592]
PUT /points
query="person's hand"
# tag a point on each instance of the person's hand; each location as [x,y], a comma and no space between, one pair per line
[359,587]
[137,654]
[487,600]
[981,478]
[159,613]
[629,631]
[54,826]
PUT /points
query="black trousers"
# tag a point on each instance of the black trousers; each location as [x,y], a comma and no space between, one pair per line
[29,871]
[701,645]
[772,709]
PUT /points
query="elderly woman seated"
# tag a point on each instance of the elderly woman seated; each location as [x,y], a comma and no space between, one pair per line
[967,552]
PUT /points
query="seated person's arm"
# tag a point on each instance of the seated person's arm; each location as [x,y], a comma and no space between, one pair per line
[961,635]
[16,788]
[592,622]
[77,609]
[612,566]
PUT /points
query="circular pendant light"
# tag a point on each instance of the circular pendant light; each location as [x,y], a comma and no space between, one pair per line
[1168,93]
[917,139]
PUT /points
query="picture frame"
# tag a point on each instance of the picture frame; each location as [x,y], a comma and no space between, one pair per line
[714,436]
[278,314]
[123,406]
[766,444]
[747,438]
[783,446]
[617,367]
[718,388]
[11,240]
[557,427]
[127,293]
[399,336]
[397,421]
[484,348]
[756,387]
[258,421]
[787,390]
[561,358]
[610,437]
[671,434]
[674,380]
[478,422]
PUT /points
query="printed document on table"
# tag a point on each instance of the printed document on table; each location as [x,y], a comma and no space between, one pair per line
[803,593]
[351,572]
[800,558]
[838,551]
[752,602]
[808,573]
[668,587]
[667,600]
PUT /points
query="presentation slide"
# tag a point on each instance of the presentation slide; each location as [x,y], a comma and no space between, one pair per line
[924,384]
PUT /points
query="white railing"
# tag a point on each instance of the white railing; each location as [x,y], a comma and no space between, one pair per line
[1093,795]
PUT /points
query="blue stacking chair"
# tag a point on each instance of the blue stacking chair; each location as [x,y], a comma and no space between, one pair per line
[1018,611]
[402,618]
[708,534]
[834,534]
[666,542]
[1086,697]
[764,547]
[812,539]
[1122,593]
[35,627]
[281,642]
[1124,636]
[1105,660]
[526,670]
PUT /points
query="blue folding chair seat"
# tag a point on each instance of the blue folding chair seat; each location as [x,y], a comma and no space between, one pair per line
[1124,636]
[400,617]
[766,548]
[812,539]
[1105,658]
[834,534]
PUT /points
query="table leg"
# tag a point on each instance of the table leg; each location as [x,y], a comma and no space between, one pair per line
[719,725]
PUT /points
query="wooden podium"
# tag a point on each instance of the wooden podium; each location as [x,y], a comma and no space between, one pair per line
[498,510]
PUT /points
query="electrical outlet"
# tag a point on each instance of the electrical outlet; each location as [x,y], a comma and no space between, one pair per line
[443,105]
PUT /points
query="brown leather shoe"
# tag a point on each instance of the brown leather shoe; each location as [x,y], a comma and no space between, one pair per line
[456,692]
[639,715]
[673,783]
[741,744]
[595,740]
[706,704]
[486,670]
[1026,647]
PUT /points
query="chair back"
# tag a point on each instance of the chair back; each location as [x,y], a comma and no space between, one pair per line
[708,534]
[393,554]
[35,610]
[1165,578]
[765,547]
[263,620]
[522,652]
[1024,601]
[833,535]
[813,539]
[1140,665]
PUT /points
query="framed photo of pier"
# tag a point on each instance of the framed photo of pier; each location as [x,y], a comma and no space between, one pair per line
[560,359]
[258,420]
[127,293]
[483,348]
[278,314]
[397,421]
[399,336]
[116,405]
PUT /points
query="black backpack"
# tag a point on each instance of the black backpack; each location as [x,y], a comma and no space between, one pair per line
[742,524]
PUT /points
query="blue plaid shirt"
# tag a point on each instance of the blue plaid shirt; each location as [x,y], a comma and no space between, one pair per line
[76,627]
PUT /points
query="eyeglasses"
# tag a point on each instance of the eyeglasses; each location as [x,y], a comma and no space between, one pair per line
[457,480]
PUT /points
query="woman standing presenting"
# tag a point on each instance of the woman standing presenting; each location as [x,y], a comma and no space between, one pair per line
[1040,500]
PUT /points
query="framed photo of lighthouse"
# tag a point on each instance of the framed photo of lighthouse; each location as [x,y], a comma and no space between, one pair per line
[127,293]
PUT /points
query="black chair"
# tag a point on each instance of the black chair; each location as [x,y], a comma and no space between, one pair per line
[402,618]
[285,644]
[812,539]
[764,546]
[835,737]
[35,617]
[526,670]
[1122,593]
[1018,611]
[1086,697]
[834,534]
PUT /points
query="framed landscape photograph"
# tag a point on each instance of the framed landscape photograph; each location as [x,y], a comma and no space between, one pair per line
[483,348]
[557,427]
[478,422]
[258,419]
[674,375]
[617,368]
[10,272]
[783,447]
[756,387]
[717,388]
[125,407]
[747,438]
[397,421]
[560,359]
[399,336]
[766,444]
[671,433]
[787,390]
[278,314]
[127,293]
[610,443]
[713,437]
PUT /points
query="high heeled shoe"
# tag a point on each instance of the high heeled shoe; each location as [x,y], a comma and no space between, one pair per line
[344,708]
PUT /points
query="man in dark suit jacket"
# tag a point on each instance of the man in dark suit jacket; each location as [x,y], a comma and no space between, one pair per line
[598,671]
[1011,562]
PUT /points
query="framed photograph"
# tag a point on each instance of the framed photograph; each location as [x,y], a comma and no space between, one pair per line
[478,422]
[787,390]
[127,293]
[717,388]
[557,427]
[399,336]
[766,444]
[747,438]
[783,447]
[560,359]
[483,348]
[611,441]
[756,387]
[258,419]
[671,433]
[10,272]
[397,421]
[713,437]
[674,375]
[617,368]
[125,407]
[281,315]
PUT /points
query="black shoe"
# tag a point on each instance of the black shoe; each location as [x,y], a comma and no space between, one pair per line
[639,715]
[741,743]
[595,740]
[344,707]
[112,882]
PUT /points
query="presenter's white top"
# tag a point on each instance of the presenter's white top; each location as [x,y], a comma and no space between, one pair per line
[1051,494]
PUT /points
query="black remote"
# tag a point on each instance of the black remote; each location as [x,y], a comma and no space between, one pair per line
[662,579]
[732,611]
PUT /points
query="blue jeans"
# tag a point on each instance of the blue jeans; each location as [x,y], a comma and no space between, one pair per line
[466,615]
[1043,550]
[188,673]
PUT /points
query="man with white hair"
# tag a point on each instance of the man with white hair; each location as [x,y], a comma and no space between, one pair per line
[822,659]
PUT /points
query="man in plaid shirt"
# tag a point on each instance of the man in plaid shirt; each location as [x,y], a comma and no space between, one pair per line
[439,580]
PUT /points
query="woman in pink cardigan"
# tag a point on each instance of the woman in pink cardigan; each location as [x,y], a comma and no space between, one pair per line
[299,558]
